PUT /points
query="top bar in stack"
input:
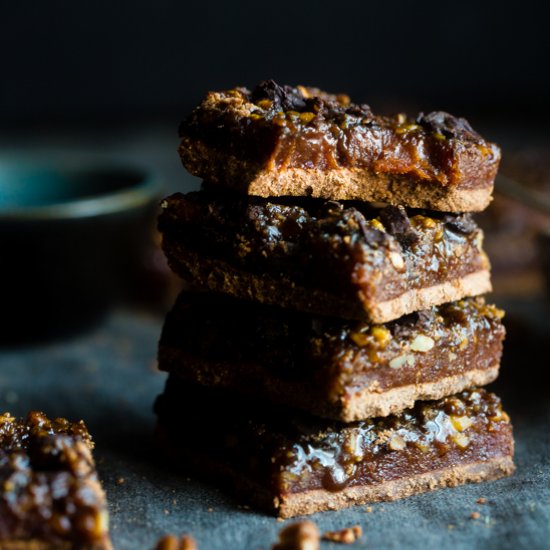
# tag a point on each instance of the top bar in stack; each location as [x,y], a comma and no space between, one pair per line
[286,141]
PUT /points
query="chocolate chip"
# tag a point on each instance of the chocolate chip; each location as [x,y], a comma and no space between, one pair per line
[460,223]
[372,236]
[286,98]
[360,110]
[397,222]
[395,219]
[411,323]
[447,125]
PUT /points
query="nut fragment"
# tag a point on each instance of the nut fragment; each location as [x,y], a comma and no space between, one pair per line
[345,536]
[401,360]
[170,542]
[401,118]
[461,440]
[398,362]
[187,542]
[397,261]
[303,535]
[382,335]
[306,117]
[377,224]
[461,423]
[360,338]
[397,443]
[422,343]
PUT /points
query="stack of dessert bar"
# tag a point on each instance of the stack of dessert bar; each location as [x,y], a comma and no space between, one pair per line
[333,345]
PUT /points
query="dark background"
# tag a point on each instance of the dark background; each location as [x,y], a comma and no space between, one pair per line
[118,61]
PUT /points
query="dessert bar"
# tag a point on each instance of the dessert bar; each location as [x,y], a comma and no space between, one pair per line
[345,370]
[50,496]
[298,141]
[291,464]
[351,260]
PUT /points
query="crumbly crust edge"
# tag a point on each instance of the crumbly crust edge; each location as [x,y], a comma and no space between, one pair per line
[310,502]
[220,276]
[362,184]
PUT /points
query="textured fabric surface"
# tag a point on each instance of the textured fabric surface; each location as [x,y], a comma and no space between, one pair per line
[108,378]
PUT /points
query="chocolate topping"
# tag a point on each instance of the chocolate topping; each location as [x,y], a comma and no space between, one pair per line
[300,141]
[286,98]
[397,222]
[460,223]
[344,248]
[449,126]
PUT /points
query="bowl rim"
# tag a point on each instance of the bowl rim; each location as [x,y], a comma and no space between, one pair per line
[136,195]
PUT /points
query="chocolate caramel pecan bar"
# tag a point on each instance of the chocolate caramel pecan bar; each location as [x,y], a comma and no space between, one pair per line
[330,367]
[292,465]
[350,260]
[50,496]
[281,140]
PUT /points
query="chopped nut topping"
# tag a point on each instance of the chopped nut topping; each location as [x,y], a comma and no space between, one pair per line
[360,338]
[345,536]
[382,335]
[397,261]
[303,535]
[422,343]
[397,443]
[461,440]
[461,423]
[398,362]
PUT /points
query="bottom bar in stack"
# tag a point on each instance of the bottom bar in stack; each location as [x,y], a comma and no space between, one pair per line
[291,464]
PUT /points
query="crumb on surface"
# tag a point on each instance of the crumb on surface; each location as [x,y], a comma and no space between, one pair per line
[303,535]
[347,535]
[120,481]
[171,542]
[481,500]
[475,515]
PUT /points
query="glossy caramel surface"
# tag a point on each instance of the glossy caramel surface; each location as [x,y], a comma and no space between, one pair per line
[359,251]
[278,127]
[288,452]
[316,363]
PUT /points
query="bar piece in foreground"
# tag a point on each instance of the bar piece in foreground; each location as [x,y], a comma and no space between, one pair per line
[344,370]
[292,465]
[349,260]
[298,141]
[50,495]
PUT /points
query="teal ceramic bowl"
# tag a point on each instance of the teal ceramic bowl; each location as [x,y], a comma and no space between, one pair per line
[71,234]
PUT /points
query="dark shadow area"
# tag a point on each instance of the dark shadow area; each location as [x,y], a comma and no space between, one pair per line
[117,62]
